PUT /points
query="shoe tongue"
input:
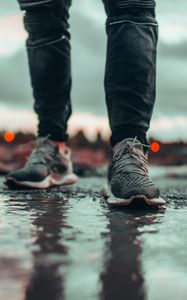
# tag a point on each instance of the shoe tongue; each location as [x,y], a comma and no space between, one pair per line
[47,144]
[136,145]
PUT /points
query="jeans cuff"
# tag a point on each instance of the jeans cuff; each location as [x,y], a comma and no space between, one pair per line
[128,132]
[55,136]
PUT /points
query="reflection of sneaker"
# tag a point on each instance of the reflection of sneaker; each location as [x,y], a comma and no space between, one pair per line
[128,179]
[46,167]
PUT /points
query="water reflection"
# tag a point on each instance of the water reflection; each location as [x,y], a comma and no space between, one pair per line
[57,248]
[123,277]
[48,221]
[65,241]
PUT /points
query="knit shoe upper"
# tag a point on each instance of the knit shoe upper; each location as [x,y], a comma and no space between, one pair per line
[128,171]
[45,167]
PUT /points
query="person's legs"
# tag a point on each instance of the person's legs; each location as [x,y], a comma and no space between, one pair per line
[131,67]
[48,48]
[130,95]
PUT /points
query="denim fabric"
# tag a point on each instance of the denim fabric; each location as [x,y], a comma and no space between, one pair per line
[130,65]
[26,4]
[115,7]
[48,48]
[130,77]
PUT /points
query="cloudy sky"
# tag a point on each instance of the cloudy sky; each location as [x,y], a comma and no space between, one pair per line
[88,59]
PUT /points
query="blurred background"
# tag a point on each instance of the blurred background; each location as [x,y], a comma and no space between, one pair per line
[169,124]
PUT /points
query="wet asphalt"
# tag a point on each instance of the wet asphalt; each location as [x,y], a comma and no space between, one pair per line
[68,244]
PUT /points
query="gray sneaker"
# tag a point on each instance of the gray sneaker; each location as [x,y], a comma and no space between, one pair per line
[128,179]
[46,167]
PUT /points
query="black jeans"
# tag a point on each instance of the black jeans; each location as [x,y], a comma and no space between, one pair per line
[130,65]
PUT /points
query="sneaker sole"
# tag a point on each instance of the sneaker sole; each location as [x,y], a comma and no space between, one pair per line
[135,200]
[48,182]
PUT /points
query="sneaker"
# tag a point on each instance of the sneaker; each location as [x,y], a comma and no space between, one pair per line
[128,179]
[46,167]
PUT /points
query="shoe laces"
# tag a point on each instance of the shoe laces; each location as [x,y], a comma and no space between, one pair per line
[126,159]
[41,154]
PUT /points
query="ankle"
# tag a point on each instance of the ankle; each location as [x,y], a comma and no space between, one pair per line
[61,146]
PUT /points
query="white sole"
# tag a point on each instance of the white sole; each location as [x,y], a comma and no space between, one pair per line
[48,182]
[136,199]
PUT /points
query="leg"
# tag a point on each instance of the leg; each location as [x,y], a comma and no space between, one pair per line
[131,67]
[48,47]
[130,96]
[46,22]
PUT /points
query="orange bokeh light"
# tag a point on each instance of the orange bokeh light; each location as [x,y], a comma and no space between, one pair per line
[9,136]
[155,147]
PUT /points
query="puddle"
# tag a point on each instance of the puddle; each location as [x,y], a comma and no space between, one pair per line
[69,245]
